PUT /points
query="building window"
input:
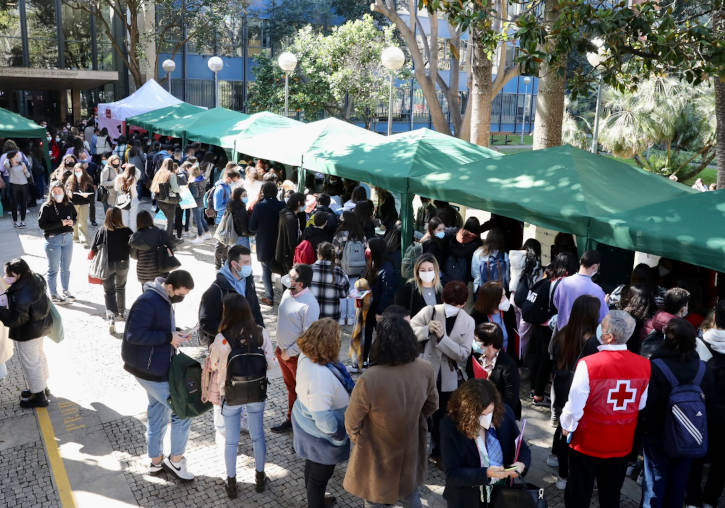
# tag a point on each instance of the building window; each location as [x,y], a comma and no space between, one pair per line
[77,35]
[11,43]
[42,35]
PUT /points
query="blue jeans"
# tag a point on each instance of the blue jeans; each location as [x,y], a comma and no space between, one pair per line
[200,220]
[158,419]
[232,424]
[243,240]
[665,478]
[267,281]
[59,251]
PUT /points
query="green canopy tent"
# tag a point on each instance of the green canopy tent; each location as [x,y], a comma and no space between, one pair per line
[560,188]
[688,228]
[216,126]
[394,162]
[159,118]
[245,133]
[16,126]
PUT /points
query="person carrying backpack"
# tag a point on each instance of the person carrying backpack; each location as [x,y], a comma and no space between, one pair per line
[150,340]
[674,421]
[235,378]
[349,242]
[490,263]
[461,247]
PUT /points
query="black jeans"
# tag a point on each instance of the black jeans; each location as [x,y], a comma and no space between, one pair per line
[169,210]
[20,200]
[114,287]
[715,478]
[316,478]
[583,469]
[179,220]
[539,362]
[92,209]
[560,448]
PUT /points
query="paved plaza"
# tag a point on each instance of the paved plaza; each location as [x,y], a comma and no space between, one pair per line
[88,448]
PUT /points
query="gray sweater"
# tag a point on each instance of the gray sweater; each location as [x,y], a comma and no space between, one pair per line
[295,315]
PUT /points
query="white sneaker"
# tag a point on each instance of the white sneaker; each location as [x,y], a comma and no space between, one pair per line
[178,469]
[552,460]
[155,468]
[207,235]
[198,240]
[560,483]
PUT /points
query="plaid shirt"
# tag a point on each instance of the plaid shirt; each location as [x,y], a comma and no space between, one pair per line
[329,285]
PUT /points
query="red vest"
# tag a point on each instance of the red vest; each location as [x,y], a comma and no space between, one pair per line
[617,380]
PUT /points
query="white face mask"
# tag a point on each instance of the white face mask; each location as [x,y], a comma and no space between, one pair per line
[504,305]
[58,197]
[78,173]
[427,276]
[485,420]
[451,310]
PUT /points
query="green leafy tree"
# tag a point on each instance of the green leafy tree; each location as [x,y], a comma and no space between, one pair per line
[337,74]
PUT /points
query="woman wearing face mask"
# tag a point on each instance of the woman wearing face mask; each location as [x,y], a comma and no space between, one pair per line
[236,206]
[478,437]
[127,194]
[446,332]
[424,288]
[109,173]
[19,179]
[490,306]
[288,231]
[56,218]
[80,188]
[28,317]
[64,171]
[434,241]
[103,144]
[487,361]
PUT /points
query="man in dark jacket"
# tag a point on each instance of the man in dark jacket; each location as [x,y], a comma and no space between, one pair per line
[288,231]
[235,275]
[316,233]
[149,341]
[264,222]
[323,205]
[27,315]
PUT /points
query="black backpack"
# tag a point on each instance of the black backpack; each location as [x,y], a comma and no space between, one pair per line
[537,308]
[246,375]
[651,343]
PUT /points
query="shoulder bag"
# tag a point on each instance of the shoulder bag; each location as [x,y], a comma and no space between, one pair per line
[98,269]
[165,259]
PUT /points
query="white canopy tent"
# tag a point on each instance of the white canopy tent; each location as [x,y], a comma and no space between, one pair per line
[149,97]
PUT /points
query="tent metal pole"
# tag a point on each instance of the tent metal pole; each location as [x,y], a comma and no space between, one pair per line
[406,219]
[301,176]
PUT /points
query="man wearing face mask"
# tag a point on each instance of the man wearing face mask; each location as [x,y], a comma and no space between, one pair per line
[234,276]
[298,309]
[572,287]
[607,392]
[149,342]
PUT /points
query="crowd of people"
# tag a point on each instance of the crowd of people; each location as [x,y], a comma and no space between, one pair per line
[440,332]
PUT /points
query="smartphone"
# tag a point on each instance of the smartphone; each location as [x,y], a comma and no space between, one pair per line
[512,468]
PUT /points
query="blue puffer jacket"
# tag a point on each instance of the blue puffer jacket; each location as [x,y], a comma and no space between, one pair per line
[146,350]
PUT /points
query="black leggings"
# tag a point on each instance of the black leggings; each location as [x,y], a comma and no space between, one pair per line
[316,478]
[538,358]
[20,200]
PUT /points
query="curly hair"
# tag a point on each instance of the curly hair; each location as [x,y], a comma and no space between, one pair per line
[321,341]
[395,344]
[469,401]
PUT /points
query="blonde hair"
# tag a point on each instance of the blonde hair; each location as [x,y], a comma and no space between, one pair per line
[161,176]
[427,258]
[195,170]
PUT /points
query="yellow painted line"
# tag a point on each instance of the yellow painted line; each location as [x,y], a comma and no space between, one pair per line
[65,493]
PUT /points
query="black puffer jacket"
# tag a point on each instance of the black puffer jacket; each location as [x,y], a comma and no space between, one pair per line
[28,313]
[143,245]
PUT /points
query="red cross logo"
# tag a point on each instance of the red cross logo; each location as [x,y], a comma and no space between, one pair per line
[621,395]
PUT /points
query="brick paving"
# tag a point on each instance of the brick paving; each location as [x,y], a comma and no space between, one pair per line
[105,404]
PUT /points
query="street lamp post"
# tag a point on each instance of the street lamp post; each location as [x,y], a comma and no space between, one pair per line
[594,60]
[169,66]
[287,62]
[216,64]
[393,59]
[527,80]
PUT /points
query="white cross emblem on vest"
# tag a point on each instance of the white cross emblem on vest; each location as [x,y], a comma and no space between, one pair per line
[621,395]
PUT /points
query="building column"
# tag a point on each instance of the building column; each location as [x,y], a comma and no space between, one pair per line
[62,105]
[75,97]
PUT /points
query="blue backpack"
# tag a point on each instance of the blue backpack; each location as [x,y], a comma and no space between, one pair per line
[686,419]
[496,268]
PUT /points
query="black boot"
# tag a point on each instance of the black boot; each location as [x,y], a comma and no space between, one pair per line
[261,481]
[282,428]
[231,487]
[26,393]
[35,400]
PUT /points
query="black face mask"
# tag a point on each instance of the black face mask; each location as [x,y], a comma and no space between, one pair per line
[176,298]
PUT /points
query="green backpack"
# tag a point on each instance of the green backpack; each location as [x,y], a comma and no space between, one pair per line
[412,253]
[185,387]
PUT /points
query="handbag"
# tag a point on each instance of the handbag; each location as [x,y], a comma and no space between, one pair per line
[98,270]
[165,259]
[55,332]
[123,200]
[225,232]
[101,194]
[518,495]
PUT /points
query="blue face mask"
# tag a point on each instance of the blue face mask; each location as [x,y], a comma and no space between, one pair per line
[477,347]
[245,271]
[599,333]
[441,235]
[245,199]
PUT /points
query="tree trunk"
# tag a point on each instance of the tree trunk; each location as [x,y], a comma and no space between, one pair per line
[480,95]
[550,95]
[719,22]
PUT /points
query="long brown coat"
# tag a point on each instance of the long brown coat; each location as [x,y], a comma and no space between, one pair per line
[386,421]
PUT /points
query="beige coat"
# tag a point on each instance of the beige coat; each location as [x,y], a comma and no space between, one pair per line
[386,421]
[456,346]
